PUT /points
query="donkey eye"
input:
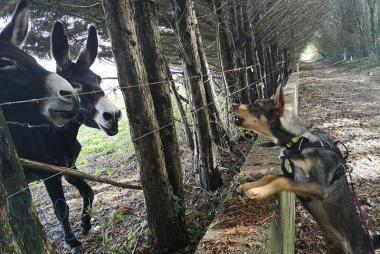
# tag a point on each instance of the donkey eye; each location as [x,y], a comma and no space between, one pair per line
[77,86]
[7,64]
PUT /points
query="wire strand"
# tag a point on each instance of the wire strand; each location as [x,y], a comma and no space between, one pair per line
[152,132]
[37,100]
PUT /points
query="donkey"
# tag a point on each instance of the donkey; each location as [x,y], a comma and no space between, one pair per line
[96,110]
[23,79]
[59,146]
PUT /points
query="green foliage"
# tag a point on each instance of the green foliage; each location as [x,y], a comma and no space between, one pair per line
[367,62]
[311,53]
[97,143]
[131,239]
[105,171]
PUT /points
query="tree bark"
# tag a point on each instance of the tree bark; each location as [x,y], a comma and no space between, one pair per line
[155,64]
[252,74]
[20,229]
[241,45]
[162,212]
[372,8]
[182,112]
[29,164]
[227,49]
[209,177]
[218,129]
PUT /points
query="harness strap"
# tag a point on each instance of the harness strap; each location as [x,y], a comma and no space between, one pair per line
[297,144]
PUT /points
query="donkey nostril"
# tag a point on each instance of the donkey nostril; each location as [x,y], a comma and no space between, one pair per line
[65,93]
[107,116]
[118,114]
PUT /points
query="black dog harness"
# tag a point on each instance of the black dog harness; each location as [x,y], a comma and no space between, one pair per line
[297,144]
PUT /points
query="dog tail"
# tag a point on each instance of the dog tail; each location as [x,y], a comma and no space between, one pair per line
[376,241]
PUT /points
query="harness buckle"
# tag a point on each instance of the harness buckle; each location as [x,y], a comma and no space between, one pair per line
[282,153]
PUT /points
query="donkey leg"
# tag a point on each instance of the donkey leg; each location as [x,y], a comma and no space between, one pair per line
[88,197]
[61,210]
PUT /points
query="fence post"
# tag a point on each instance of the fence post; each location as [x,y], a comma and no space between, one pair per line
[296,91]
[283,223]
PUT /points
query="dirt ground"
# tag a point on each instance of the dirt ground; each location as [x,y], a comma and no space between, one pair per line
[345,103]
[341,101]
[119,225]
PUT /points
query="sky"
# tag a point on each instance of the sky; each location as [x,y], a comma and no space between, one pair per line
[103,69]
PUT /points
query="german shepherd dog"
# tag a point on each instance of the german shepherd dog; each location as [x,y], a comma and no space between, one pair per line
[317,177]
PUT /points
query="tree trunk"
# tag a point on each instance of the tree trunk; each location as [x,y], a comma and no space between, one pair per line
[209,177]
[252,74]
[20,229]
[162,212]
[182,112]
[241,44]
[227,49]
[372,7]
[149,34]
[221,66]
[218,129]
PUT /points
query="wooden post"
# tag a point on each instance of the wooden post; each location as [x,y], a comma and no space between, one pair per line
[283,224]
[296,91]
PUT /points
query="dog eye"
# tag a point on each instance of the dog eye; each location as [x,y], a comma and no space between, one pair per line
[254,109]
[7,64]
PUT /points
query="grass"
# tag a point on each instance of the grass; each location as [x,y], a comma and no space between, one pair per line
[97,143]
[367,62]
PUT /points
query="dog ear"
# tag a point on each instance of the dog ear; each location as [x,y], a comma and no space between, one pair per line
[279,101]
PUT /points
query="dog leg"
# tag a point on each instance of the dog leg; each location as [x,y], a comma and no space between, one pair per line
[263,181]
[280,184]
[376,241]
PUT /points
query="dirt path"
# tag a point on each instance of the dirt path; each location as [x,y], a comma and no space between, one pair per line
[342,102]
[345,103]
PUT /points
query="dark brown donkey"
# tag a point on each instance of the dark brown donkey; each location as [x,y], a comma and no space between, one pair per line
[59,146]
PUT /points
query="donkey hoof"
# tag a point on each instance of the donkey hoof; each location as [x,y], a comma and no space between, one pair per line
[86,228]
[77,250]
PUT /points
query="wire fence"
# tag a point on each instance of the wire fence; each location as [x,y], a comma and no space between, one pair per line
[244,154]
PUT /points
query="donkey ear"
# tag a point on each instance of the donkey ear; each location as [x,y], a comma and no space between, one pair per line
[60,46]
[88,54]
[279,100]
[16,31]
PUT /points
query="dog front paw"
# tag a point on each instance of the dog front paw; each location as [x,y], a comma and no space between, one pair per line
[244,188]
[258,193]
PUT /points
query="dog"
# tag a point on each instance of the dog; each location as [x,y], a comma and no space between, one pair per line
[317,175]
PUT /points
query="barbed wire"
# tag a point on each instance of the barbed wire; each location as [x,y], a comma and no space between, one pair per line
[37,100]
[157,130]
[114,89]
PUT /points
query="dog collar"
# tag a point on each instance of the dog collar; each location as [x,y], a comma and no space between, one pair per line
[293,140]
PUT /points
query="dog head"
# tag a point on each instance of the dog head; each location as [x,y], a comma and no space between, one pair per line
[263,116]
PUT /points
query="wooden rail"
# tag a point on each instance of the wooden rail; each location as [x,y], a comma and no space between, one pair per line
[56,169]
